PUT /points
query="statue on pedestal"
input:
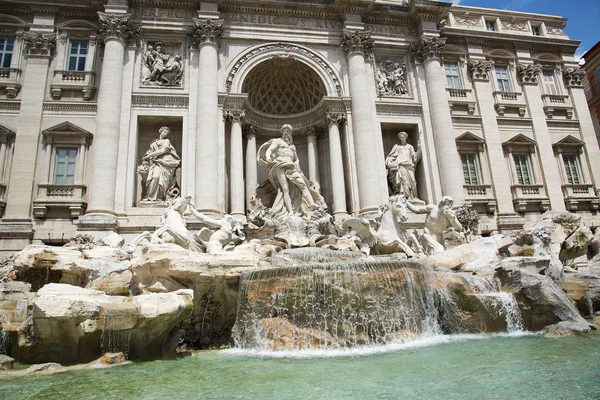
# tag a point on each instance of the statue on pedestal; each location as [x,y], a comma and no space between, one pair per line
[158,169]
[295,194]
[288,207]
[400,164]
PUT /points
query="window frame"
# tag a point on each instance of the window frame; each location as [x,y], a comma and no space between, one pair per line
[4,52]
[572,171]
[597,78]
[79,58]
[522,179]
[507,80]
[64,176]
[493,23]
[471,172]
[546,88]
[458,76]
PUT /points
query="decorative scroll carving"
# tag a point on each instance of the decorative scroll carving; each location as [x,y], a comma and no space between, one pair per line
[206,31]
[332,117]
[481,69]
[234,115]
[118,26]
[574,77]
[38,43]
[466,20]
[357,42]
[391,78]
[513,25]
[529,74]
[161,68]
[555,29]
[428,48]
[287,47]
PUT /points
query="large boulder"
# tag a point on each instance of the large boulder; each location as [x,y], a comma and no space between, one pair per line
[477,255]
[214,278]
[542,303]
[576,244]
[68,324]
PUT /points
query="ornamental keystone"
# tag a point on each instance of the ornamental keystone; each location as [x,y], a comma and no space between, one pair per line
[574,77]
[428,48]
[118,27]
[529,74]
[357,42]
[480,69]
[206,31]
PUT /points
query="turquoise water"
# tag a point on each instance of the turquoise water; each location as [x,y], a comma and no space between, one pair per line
[448,367]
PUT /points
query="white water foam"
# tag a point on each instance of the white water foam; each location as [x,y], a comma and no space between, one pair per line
[423,341]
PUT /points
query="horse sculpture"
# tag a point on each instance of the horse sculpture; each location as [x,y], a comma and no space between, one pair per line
[391,236]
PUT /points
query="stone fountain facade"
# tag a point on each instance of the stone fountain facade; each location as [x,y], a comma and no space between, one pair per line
[491,104]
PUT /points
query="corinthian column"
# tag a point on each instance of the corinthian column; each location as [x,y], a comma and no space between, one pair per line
[428,51]
[236,164]
[205,35]
[17,221]
[336,164]
[356,44]
[251,173]
[101,215]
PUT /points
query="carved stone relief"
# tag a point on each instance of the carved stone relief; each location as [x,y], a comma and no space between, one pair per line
[574,77]
[391,76]
[161,66]
[467,20]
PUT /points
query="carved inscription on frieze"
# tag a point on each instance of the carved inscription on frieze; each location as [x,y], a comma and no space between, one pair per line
[162,13]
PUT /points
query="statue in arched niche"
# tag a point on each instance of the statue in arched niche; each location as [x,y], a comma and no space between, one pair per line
[159,167]
[401,163]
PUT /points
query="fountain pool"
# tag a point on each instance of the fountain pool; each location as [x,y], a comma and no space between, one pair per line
[486,366]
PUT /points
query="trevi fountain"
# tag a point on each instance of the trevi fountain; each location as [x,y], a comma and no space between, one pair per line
[294,304]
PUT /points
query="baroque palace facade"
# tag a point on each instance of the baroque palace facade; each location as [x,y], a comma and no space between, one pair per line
[492,103]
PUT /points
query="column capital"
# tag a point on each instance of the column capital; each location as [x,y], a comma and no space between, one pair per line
[39,44]
[251,132]
[234,115]
[428,48]
[357,42]
[480,69]
[574,77]
[311,131]
[118,27]
[206,31]
[334,118]
[529,74]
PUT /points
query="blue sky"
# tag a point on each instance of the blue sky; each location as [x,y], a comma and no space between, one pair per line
[583,15]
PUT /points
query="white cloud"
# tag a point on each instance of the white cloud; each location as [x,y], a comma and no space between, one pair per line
[579,57]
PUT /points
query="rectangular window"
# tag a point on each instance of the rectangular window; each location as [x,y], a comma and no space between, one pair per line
[469,163]
[77,55]
[490,25]
[65,163]
[573,176]
[523,169]
[536,30]
[549,81]
[452,75]
[502,78]
[6,51]
[597,77]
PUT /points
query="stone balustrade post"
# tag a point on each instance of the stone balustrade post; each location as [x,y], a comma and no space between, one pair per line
[206,34]
[236,164]
[428,51]
[357,44]
[338,186]
[100,215]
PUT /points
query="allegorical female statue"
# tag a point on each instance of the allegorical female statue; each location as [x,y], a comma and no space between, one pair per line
[400,164]
[158,168]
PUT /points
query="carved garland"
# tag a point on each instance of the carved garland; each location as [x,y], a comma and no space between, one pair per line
[286,47]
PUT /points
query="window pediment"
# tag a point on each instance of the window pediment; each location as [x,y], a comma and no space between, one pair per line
[520,142]
[469,141]
[66,133]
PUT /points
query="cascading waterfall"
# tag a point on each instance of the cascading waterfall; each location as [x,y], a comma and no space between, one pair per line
[335,304]
[503,303]
[114,338]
